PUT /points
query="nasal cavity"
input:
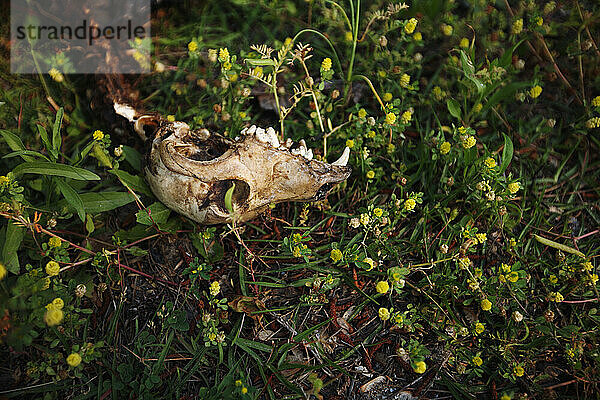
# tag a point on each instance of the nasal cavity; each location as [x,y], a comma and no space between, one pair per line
[239,198]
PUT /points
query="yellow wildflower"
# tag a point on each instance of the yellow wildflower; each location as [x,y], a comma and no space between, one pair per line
[593,279]
[215,288]
[593,123]
[420,367]
[350,143]
[378,212]
[505,397]
[362,113]
[517,26]
[553,279]
[58,303]
[513,276]
[382,287]
[387,97]
[447,29]
[596,101]
[411,25]
[535,91]
[490,162]
[514,187]
[244,390]
[384,314]
[52,268]
[54,242]
[477,361]
[98,135]
[390,118]
[336,255]
[371,134]
[348,36]
[477,108]
[445,148]
[53,316]
[405,80]
[370,174]
[74,359]
[539,21]
[479,328]
[193,46]
[518,371]
[486,305]
[418,36]
[56,75]
[468,141]
[464,43]
[171,118]
[258,72]
[406,117]
[227,66]
[326,64]
[481,237]
[410,204]
[224,55]
[238,383]
[3,271]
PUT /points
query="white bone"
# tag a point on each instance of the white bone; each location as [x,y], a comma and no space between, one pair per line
[288,143]
[303,143]
[251,130]
[273,137]
[309,155]
[343,160]
[125,111]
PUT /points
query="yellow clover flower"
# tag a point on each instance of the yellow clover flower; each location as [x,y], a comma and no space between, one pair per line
[517,26]
[336,255]
[193,46]
[490,162]
[468,141]
[53,316]
[518,371]
[74,359]
[371,263]
[98,135]
[477,361]
[420,367]
[410,204]
[514,187]
[418,36]
[479,328]
[486,305]
[54,242]
[390,118]
[596,101]
[215,288]
[370,174]
[350,143]
[382,287]
[411,25]
[58,303]
[445,147]
[378,212]
[326,64]
[406,117]
[535,91]
[464,43]
[405,80]
[52,268]
[387,97]
[384,314]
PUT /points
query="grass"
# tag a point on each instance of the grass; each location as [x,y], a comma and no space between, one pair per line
[457,270]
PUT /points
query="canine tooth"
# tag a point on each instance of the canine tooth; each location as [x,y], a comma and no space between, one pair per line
[261,136]
[251,130]
[303,143]
[309,155]
[243,131]
[273,137]
[343,160]
[288,143]
[302,150]
[237,138]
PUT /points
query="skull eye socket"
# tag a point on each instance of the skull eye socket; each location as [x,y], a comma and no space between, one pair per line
[198,148]
[240,193]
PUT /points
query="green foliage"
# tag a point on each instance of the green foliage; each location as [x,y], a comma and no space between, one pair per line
[463,247]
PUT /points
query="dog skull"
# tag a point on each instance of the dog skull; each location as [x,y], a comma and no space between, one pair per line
[190,171]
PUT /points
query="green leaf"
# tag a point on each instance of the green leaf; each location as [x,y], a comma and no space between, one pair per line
[228,196]
[95,203]
[15,143]
[134,182]
[12,242]
[54,169]
[157,211]
[89,224]
[558,246]
[44,137]
[56,138]
[72,197]
[23,153]
[454,108]
[260,62]
[507,153]
[133,157]
[469,71]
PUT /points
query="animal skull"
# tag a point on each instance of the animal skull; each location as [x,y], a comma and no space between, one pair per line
[190,171]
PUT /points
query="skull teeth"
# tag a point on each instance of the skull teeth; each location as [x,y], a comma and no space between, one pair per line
[343,160]
[309,155]
[273,137]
